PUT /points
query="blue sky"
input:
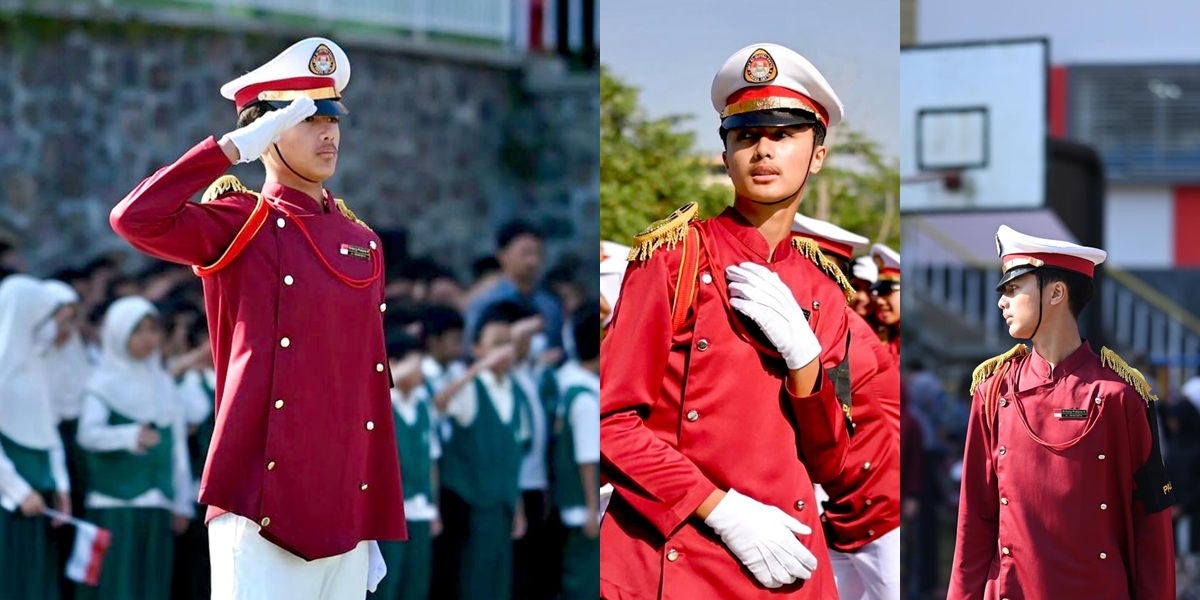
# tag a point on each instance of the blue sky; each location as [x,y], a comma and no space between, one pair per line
[671,49]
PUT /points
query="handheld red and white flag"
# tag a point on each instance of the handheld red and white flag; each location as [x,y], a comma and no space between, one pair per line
[91,544]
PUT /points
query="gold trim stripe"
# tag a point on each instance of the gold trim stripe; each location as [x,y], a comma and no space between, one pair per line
[1018,262]
[775,103]
[325,93]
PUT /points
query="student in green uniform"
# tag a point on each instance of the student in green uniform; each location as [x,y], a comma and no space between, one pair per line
[132,427]
[33,465]
[410,563]
[197,384]
[488,412]
[576,459]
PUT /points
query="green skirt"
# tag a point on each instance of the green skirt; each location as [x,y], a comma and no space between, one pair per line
[581,566]
[139,560]
[409,565]
[28,557]
[486,569]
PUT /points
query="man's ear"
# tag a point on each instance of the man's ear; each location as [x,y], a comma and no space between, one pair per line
[818,159]
[1058,293]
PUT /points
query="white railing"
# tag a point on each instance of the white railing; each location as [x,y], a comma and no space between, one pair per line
[484,19]
[1138,318]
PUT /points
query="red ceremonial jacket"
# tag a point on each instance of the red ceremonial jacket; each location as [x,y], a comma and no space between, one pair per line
[304,442]
[1082,513]
[686,412]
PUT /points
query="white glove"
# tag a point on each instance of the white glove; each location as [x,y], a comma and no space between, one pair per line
[763,538]
[253,139]
[758,293]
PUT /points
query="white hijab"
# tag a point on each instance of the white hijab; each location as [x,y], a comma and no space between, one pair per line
[26,414]
[137,389]
[69,364]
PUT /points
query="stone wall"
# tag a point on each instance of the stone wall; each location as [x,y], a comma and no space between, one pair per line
[443,148]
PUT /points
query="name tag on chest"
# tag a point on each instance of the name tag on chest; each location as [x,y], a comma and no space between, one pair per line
[355,251]
[1070,413]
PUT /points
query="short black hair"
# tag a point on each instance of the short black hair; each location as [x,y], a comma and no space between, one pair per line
[818,135]
[587,331]
[436,320]
[515,229]
[566,270]
[506,312]
[482,267]
[252,112]
[1080,287]
[400,344]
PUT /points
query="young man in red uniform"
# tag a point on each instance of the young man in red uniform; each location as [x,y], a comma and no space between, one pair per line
[716,414]
[1064,493]
[862,514]
[303,471]
[886,293]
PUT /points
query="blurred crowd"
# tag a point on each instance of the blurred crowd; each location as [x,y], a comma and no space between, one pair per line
[109,373]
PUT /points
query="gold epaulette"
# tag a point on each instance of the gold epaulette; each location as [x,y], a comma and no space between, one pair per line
[1131,375]
[226,184]
[810,250]
[989,367]
[341,205]
[667,232]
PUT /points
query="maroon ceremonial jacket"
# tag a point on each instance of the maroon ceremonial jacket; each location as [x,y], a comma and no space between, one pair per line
[304,442]
[686,412]
[1064,494]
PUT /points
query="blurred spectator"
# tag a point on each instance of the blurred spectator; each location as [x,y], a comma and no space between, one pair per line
[519,251]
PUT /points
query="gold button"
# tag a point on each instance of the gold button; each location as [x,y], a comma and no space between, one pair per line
[870,533]
[372,244]
[363,487]
[816,305]
[693,416]
[1002,450]
[383,307]
[799,505]
[672,555]
[1103,507]
[1005,551]
[706,279]
[1004,402]
[1103,556]
[702,345]
[285,342]
[288,280]
[279,404]
[1004,501]
[280,222]
[867,466]
[271,466]
[266,520]
[868,502]
[1101,457]
[378,367]
[1097,400]
[370,425]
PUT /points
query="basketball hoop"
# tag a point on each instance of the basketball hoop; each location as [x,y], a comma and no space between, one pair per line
[951,179]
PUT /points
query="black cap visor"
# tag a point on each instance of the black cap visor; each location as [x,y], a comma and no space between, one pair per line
[769,118]
[325,108]
[1014,273]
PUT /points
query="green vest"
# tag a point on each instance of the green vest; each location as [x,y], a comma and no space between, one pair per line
[568,485]
[481,461]
[124,475]
[32,465]
[413,443]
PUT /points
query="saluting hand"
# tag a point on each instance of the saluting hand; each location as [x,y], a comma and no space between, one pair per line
[252,140]
[760,294]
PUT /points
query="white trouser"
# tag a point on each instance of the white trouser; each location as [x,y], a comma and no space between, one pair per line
[872,573]
[245,566]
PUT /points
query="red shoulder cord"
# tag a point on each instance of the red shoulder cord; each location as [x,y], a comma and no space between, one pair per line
[376,264]
[1093,418]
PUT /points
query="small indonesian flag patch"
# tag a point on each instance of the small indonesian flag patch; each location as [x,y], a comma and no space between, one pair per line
[355,251]
[1070,413]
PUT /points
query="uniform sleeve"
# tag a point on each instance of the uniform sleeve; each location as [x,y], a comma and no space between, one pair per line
[12,485]
[96,435]
[158,218]
[585,429]
[58,468]
[463,406]
[647,473]
[978,512]
[1154,564]
[193,400]
[823,440]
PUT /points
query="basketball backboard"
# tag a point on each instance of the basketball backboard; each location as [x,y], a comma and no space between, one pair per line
[973,126]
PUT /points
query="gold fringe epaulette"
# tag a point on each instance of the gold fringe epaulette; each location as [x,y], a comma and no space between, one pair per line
[668,232]
[989,367]
[226,184]
[341,205]
[1131,375]
[810,250]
